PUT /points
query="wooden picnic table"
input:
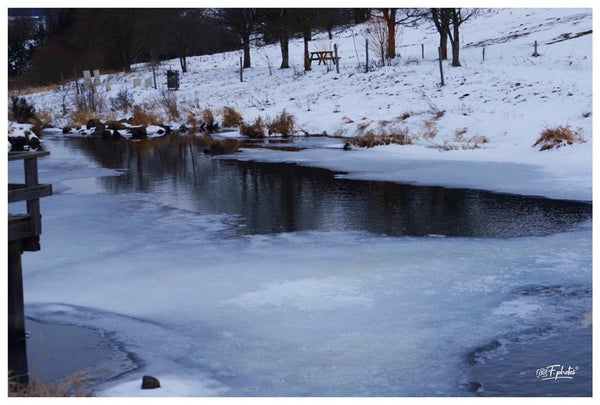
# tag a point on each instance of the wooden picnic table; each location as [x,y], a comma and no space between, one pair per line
[323,57]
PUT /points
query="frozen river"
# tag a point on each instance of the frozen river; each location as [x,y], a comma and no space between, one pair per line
[244,279]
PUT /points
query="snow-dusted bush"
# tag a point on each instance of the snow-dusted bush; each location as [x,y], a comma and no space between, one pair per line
[90,99]
[168,100]
[123,101]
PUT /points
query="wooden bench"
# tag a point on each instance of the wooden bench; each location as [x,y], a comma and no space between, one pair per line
[323,57]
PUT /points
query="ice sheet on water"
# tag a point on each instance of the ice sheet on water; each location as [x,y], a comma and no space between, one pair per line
[314,313]
[303,313]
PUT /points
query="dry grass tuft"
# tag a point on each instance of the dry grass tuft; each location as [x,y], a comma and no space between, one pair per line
[231,118]
[403,117]
[208,118]
[74,386]
[553,138]
[191,119]
[144,116]
[371,139]
[255,130]
[458,134]
[283,124]
[82,116]
[429,129]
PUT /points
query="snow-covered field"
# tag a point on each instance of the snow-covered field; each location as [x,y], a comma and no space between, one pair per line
[336,313]
[508,99]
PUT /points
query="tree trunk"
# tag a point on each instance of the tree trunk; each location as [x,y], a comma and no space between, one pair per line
[444,45]
[284,42]
[391,27]
[455,45]
[306,55]
[246,41]
[183,63]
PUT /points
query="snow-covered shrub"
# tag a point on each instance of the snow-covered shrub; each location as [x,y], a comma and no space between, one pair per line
[255,130]
[552,138]
[90,99]
[283,124]
[168,100]
[231,118]
[123,101]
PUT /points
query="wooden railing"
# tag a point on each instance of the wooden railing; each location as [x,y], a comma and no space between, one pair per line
[27,226]
[24,232]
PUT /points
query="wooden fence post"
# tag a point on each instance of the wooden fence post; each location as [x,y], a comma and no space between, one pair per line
[241,71]
[422,51]
[483,53]
[441,68]
[535,52]
[337,60]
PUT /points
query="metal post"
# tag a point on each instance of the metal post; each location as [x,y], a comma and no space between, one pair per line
[241,71]
[422,51]
[154,75]
[483,53]
[441,68]
[367,52]
[337,61]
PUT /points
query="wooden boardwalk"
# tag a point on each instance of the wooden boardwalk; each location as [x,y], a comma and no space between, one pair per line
[24,230]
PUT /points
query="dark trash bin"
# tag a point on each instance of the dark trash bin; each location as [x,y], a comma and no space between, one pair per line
[173,79]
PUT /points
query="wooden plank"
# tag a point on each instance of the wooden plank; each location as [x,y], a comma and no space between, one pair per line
[20,230]
[27,154]
[24,193]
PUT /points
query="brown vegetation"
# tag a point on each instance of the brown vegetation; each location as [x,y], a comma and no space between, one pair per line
[231,118]
[283,124]
[74,386]
[552,138]
[208,118]
[371,139]
[143,116]
[255,130]
[82,116]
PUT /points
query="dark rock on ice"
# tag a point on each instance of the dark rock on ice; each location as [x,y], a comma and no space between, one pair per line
[149,382]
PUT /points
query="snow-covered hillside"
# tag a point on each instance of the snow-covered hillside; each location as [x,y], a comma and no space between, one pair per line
[488,110]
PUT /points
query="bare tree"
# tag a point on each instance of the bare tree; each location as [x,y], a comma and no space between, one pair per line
[448,22]
[458,16]
[393,17]
[242,20]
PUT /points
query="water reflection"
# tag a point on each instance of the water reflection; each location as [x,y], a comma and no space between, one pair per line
[272,197]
